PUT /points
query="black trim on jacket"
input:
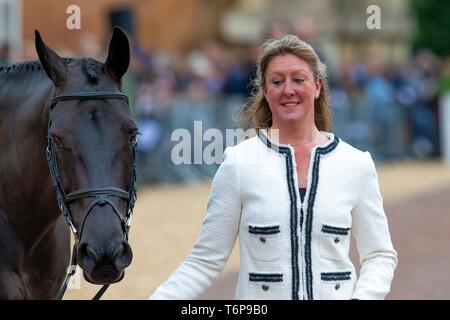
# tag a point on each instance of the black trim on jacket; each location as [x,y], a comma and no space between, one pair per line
[335,230]
[265,277]
[309,215]
[335,276]
[294,212]
[264,230]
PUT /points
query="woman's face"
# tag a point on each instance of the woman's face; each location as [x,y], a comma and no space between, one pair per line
[290,90]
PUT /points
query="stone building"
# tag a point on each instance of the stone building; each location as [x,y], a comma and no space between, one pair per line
[337,27]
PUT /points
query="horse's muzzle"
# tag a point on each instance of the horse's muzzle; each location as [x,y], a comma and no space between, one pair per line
[104,265]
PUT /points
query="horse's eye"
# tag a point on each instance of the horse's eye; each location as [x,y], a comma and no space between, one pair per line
[56,141]
[133,139]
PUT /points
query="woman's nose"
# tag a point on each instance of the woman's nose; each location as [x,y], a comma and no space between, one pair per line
[288,89]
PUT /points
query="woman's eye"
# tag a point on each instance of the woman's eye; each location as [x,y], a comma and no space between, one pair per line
[299,80]
[277,82]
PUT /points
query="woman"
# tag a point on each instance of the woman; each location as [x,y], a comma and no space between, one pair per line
[295,202]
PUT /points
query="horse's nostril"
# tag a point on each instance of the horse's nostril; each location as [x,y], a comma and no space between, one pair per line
[86,256]
[122,256]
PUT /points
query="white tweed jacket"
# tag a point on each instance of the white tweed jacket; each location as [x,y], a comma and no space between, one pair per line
[291,249]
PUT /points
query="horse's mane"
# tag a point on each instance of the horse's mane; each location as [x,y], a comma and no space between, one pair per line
[88,65]
[20,67]
[90,69]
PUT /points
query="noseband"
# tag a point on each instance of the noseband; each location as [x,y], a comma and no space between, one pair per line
[100,196]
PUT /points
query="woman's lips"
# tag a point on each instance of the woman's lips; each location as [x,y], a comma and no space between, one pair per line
[290,104]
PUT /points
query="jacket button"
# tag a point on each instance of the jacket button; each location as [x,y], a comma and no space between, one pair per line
[265,287]
[262,239]
[337,286]
[336,240]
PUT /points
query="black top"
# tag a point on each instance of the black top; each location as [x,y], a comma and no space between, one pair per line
[302,193]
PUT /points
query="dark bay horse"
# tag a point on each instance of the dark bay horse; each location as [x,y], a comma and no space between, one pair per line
[88,135]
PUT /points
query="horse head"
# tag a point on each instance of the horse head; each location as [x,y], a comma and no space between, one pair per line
[91,146]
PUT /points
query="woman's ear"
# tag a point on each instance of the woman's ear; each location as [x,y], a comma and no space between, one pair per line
[318,85]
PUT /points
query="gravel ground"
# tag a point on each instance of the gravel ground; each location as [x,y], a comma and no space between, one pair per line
[168,218]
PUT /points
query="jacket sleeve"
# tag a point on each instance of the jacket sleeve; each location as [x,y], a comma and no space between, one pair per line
[377,256]
[216,240]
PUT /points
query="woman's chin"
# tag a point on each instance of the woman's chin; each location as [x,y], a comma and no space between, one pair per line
[293,117]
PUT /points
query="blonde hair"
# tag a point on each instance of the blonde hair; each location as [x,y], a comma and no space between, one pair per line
[256,113]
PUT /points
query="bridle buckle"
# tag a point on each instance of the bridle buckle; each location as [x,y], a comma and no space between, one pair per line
[101,201]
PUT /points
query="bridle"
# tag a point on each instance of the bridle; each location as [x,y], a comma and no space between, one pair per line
[100,196]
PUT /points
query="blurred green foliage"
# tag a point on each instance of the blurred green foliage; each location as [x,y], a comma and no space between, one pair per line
[433,19]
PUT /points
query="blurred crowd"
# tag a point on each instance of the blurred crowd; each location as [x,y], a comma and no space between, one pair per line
[172,91]
[390,110]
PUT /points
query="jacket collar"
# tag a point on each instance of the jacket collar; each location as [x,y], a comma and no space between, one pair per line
[327,147]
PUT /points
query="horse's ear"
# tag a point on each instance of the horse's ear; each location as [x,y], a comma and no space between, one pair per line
[54,66]
[118,55]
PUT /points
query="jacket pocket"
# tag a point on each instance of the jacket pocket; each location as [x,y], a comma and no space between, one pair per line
[265,286]
[264,242]
[334,242]
[336,285]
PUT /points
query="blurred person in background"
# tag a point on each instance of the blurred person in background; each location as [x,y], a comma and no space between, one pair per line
[424,79]
[4,54]
[384,111]
[294,194]
[89,46]
[276,29]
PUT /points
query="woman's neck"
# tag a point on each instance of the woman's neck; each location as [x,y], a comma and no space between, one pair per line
[297,135]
